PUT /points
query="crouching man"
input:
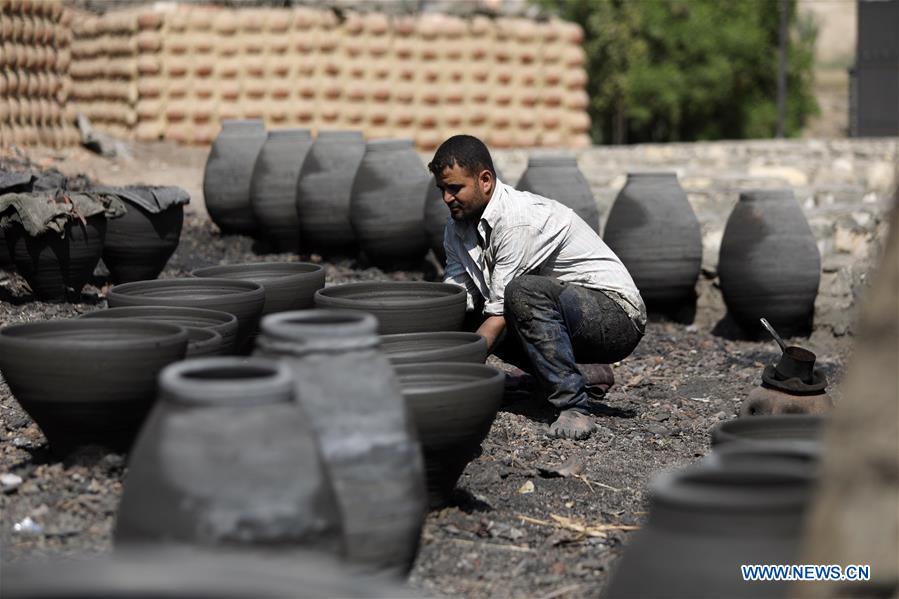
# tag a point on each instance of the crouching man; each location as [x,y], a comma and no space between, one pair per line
[549,288]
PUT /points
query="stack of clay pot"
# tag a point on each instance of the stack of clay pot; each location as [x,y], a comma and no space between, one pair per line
[34,62]
[104,70]
[516,82]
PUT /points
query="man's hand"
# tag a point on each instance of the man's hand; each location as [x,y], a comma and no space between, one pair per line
[491,329]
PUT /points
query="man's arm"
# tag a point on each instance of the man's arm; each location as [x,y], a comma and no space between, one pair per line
[491,329]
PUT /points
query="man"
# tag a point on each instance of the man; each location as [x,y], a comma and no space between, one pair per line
[543,278]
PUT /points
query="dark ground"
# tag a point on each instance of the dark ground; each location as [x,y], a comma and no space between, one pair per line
[513,531]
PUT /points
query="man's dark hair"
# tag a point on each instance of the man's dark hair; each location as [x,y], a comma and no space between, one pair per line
[467,151]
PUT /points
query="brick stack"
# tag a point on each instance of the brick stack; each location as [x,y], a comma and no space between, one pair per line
[34,63]
[513,81]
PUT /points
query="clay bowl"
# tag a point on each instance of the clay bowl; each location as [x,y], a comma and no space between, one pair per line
[452,406]
[765,429]
[243,299]
[400,306]
[223,323]
[203,342]
[435,346]
[287,285]
[797,454]
[87,381]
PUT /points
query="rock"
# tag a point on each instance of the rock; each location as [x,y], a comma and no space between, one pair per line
[527,487]
[10,482]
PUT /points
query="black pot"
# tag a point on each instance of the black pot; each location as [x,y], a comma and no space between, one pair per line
[229,169]
[243,299]
[557,177]
[345,385]
[769,265]
[788,453]
[653,230]
[439,346]
[400,307]
[223,323]
[188,481]
[139,244]
[704,523]
[387,203]
[88,381]
[763,429]
[453,406]
[273,187]
[55,266]
[6,261]
[287,285]
[203,342]
[190,572]
[324,189]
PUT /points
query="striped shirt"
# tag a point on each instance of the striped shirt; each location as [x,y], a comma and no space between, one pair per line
[523,233]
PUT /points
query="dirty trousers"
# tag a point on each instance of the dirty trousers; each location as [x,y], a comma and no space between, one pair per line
[556,325]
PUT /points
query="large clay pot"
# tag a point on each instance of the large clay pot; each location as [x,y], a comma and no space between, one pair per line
[55,266]
[387,205]
[222,323]
[557,177]
[229,169]
[324,189]
[763,429]
[139,243]
[769,265]
[704,523]
[436,346]
[400,306]
[273,187]
[653,230]
[88,381]
[347,388]
[453,406]
[190,572]
[287,285]
[243,299]
[227,458]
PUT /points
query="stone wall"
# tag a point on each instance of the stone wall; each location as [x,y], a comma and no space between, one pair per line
[175,71]
[845,188]
[34,83]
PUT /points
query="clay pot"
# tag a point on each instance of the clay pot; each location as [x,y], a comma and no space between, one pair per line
[704,523]
[55,265]
[273,187]
[229,169]
[769,265]
[188,481]
[323,192]
[767,401]
[346,387]
[400,307]
[88,381]
[794,454]
[203,342]
[387,203]
[557,176]
[139,244]
[189,572]
[223,323]
[653,230]
[762,429]
[243,299]
[453,406]
[439,346]
[287,285]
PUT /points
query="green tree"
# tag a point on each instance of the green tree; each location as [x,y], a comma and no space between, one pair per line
[683,70]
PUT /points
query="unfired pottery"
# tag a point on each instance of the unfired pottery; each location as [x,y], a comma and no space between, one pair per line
[287,285]
[557,177]
[435,346]
[761,429]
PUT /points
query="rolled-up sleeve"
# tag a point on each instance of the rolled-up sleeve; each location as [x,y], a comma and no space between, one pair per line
[456,274]
[514,251]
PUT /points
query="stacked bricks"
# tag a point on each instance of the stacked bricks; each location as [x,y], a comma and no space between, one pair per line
[514,82]
[104,70]
[35,37]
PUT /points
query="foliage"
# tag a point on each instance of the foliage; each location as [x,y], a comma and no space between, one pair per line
[683,70]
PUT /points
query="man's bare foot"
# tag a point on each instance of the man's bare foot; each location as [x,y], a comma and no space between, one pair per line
[572,424]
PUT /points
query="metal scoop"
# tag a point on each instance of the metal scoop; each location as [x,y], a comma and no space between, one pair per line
[796,362]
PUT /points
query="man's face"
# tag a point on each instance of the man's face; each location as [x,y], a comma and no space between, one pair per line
[465,193]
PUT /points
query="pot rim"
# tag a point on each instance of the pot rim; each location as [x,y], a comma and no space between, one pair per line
[299,133]
[230,287]
[383,145]
[734,430]
[773,194]
[290,270]
[243,124]
[495,375]
[553,159]
[222,317]
[457,294]
[339,135]
[19,335]
[318,323]
[463,340]
[272,383]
